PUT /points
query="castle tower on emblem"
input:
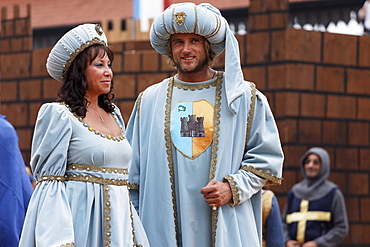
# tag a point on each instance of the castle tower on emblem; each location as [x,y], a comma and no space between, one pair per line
[192,126]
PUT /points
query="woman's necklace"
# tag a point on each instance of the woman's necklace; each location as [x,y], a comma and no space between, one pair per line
[101,117]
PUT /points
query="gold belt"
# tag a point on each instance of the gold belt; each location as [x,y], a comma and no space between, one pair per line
[89,178]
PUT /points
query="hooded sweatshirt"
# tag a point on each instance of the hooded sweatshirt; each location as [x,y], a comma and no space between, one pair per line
[317,191]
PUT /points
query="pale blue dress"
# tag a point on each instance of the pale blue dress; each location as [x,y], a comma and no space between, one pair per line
[83,198]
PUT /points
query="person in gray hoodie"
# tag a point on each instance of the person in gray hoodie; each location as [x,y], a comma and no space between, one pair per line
[315,213]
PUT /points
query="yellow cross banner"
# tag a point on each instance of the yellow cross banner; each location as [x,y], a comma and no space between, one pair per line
[303,216]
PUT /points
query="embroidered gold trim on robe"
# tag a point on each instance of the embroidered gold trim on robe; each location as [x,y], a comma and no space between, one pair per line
[68,245]
[167,131]
[272,180]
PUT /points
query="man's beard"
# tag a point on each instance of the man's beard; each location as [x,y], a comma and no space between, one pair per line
[199,67]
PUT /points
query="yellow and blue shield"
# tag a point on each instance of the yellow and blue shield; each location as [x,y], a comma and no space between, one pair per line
[192,127]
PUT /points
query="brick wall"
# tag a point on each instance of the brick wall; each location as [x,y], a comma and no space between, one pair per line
[317,85]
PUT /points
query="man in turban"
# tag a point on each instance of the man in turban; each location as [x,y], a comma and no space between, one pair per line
[204,142]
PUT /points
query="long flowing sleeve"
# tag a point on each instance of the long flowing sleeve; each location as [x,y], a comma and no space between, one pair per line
[263,155]
[132,134]
[48,220]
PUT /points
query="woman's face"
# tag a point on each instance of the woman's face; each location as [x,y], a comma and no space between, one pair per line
[99,75]
[312,165]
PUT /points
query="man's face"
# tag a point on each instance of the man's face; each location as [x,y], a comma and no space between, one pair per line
[189,52]
[312,165]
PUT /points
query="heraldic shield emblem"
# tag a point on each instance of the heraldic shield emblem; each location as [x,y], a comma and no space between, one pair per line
[192,127]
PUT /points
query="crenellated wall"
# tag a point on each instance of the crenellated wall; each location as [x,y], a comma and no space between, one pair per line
[317,85]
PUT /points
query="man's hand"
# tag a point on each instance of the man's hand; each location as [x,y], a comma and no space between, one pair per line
[217,193]
[310,244]
[292,243]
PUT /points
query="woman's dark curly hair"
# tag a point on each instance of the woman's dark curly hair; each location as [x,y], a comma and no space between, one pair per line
[73,90]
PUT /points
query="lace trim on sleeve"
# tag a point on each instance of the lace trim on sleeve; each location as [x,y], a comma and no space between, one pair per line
[234,189]
[272,180]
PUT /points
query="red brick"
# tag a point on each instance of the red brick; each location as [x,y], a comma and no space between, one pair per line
[312,105]
[335,132]
[364,159]
[16,44]
[27,43]
[340,179]
[33,111]
[22,27]
[117,47]
[365,205]
[363,108]
[359,234]
[277,76]
[287,130]
[278,46]
[30,90]
[256,6]
[258,21]
[353,208]
[7,68]
[339,49]
[358,184]
[117,65]
[359,134]
[263,6]
[146,80]
[8,91]
[364,56]
[50,88]
[330,79]
[218,61]
[25,138]
[290,177]
[26,157]
[150,61]
[341,107]
[279,20]
[15,113]
[309,131]
[125,86]
[39,58]
[131,61]
[126,109]
[165,66]
[258,47]
[8,29]
[286,104]
[346,159]
[23,61]
[257,75]
[293,154]
[137,45]
[303,45]
[5,45]
[358,81]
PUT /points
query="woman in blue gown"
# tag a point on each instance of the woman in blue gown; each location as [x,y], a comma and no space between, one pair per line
[80,155]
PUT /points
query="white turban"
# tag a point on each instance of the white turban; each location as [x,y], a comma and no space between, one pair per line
[204,20]
[70,45]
